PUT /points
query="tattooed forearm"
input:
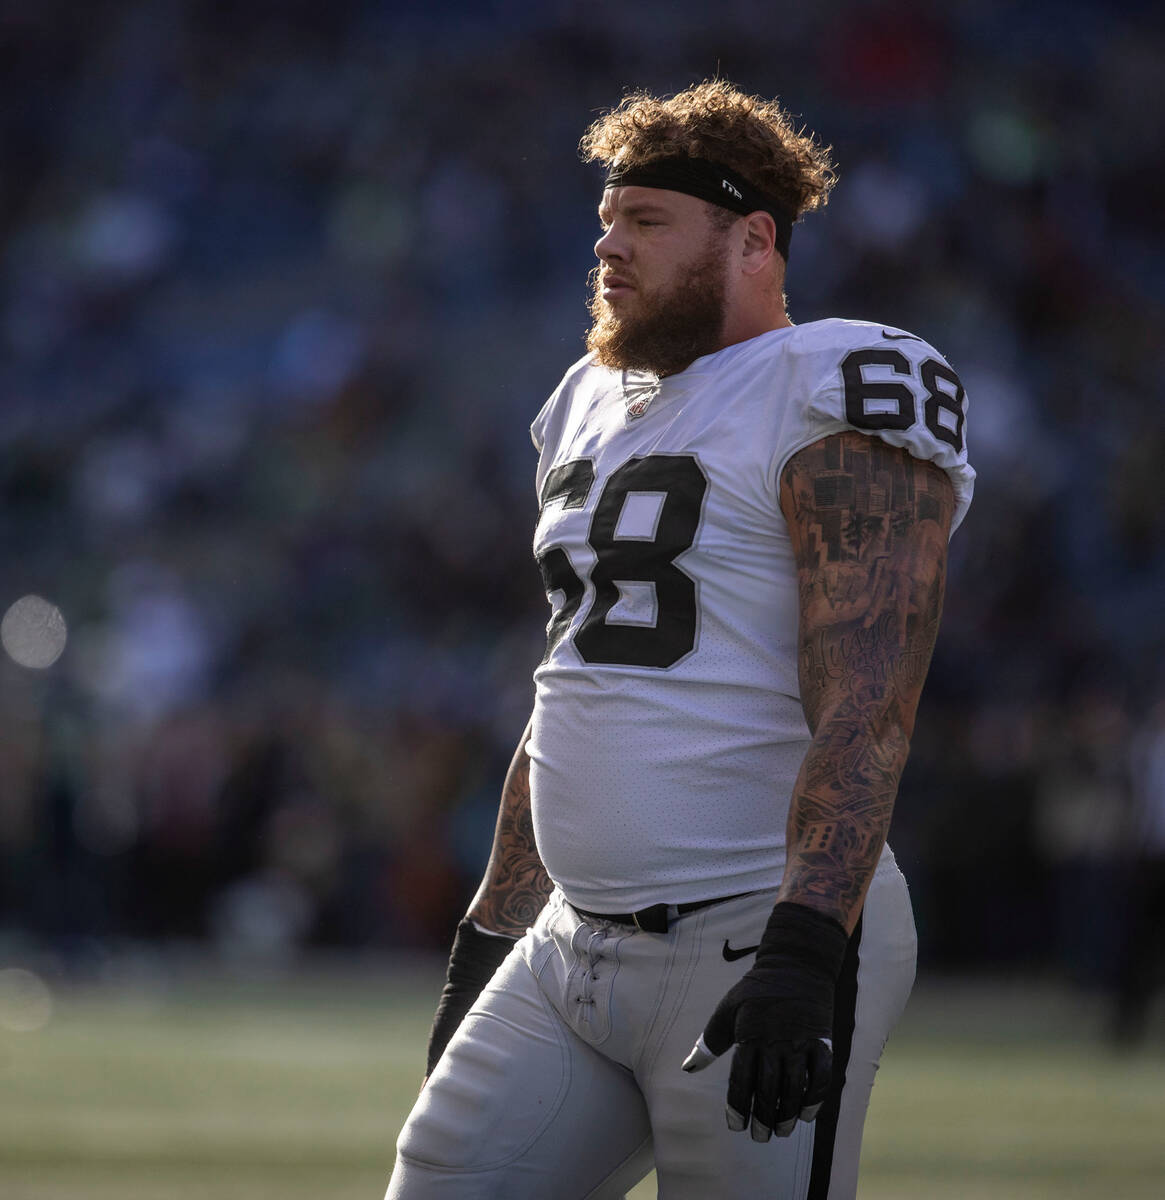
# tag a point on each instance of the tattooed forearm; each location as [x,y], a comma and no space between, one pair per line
[516,885]
[869,527]
[840,814]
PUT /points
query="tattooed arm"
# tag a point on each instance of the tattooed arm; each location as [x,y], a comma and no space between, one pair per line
[869,525]
[511,895]
[515,886]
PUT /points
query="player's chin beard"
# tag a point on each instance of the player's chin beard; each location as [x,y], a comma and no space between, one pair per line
[671,330]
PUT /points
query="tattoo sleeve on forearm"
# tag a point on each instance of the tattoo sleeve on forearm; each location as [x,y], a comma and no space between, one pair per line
[869,525]
[516,885]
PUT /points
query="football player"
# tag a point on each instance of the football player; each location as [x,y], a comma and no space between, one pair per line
[692,939]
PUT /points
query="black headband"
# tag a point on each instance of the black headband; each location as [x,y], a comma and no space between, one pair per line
[706,180]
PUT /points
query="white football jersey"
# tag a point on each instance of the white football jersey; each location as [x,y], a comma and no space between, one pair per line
[668,729]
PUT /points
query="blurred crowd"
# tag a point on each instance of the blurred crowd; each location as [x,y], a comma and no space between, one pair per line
[282,286]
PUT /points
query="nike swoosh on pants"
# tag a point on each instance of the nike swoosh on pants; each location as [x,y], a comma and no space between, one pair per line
[731,955]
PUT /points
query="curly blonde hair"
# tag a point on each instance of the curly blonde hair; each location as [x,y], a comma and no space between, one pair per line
[715,120]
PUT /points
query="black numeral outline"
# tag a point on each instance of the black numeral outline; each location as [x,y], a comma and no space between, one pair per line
[681,482]
[859,391]
[931,372]
[570,482]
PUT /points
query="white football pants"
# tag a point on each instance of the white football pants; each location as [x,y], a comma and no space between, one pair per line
[564,1080]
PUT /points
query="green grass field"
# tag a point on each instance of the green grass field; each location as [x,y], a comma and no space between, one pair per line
[288,1089]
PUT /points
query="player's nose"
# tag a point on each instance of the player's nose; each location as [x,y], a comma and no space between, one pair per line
[612,244]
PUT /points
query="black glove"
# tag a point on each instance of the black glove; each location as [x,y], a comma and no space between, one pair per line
[472,961]
[780,1016]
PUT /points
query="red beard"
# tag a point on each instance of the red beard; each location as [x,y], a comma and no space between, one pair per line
[671,329]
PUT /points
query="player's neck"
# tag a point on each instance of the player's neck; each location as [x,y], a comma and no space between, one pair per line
[746,321]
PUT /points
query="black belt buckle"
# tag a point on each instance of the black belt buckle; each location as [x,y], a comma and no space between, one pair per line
[651,920]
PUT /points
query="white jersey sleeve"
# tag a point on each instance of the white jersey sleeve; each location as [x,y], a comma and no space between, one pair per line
[880,381]
[547,425]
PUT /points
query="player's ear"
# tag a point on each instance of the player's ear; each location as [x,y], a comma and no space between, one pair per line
[760,234]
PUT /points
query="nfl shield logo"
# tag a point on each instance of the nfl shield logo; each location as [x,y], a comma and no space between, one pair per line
[639,390]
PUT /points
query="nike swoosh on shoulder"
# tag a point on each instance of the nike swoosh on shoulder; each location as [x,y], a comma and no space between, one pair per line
[731,955]
[900,337]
